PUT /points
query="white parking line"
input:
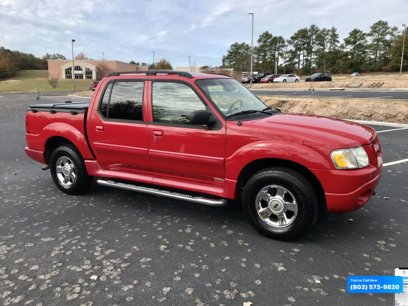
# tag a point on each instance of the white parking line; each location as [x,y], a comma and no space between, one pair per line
[74,96]
[396,162]
[392,130]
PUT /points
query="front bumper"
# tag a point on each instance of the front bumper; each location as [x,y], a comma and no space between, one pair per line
[348,190]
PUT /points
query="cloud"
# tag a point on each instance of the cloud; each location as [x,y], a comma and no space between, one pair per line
[130,30]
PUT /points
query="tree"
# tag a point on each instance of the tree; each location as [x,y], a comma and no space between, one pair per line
[300,48]
[55,56]
[333,54]
[81,56]
[13,61]
[311,44]
[7,69]
[163,64]
[396,52]
[381,35]
[238,57]
[264,52]
[322,42]
[278,45]
[356,47]
[53,80]
[311,48]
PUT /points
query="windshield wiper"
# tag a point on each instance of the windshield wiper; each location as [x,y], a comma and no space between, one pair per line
[250,111]
[272,109]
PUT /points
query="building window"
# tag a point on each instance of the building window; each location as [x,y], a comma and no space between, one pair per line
[78,68]
[68,73]
[88,74]
[79,76]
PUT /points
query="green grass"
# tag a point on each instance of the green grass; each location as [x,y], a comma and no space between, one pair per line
[33,80]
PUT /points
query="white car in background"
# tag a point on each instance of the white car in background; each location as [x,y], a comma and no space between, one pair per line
[287,78]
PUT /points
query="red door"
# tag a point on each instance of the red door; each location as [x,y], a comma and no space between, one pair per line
[117,130]
[177,149]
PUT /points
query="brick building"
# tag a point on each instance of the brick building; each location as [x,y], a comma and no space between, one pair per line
[86,69]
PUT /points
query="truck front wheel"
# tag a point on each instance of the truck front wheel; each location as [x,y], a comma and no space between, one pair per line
[68,170]
[280,203]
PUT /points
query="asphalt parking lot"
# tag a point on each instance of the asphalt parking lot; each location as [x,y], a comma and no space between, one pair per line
[117,247]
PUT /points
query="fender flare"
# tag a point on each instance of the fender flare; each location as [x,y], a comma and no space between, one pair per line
[70,133]
[280,150]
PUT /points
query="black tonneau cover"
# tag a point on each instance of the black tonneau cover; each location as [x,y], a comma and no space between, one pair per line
[67,106]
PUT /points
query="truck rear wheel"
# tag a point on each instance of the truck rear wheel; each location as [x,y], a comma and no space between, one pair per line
[68,170]
[280,203]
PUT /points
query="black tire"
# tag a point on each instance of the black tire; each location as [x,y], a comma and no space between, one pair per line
[299,189]
[296,81]
[284,81]
[69,156]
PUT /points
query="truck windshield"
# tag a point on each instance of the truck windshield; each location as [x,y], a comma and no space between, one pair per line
[231,97]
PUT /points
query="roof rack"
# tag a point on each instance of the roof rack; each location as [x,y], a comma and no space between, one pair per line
[154,72]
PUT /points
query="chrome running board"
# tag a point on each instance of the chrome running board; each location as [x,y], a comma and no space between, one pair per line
[164,193]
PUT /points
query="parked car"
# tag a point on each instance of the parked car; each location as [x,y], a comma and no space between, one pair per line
[93,85]
[319,77]
[355,74]
[269,78]
[258,77]
[207,139]
[245,80]
[287,78]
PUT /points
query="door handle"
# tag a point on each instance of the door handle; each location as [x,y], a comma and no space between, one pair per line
[99,128]
[157,133]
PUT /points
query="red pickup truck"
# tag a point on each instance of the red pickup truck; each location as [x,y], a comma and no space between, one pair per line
[207,139]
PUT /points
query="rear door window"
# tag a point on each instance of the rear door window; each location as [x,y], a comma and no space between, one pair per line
[123,101]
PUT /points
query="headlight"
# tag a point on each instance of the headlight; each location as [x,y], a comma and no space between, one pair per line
[353,158]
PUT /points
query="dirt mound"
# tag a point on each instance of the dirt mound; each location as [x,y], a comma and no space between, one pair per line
[360,109]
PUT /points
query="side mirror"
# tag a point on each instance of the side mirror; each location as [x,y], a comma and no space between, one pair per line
[201,117]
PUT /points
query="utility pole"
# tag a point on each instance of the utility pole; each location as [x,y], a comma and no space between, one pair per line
[276,61]
[73,64]
[103,56]
[252,49]
[189,62]
[403,47]
[153,60]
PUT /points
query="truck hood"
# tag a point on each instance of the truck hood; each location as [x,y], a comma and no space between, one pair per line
[314,130]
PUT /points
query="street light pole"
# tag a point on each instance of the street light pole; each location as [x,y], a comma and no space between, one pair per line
[73,64]
[252,49]
[403,47]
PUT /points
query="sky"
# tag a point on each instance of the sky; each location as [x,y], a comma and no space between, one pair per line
[128,30]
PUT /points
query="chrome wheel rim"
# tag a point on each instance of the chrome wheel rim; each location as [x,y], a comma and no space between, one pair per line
[276,206]
[66,172]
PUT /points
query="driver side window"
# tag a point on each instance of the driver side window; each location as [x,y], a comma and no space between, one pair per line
[174,103]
